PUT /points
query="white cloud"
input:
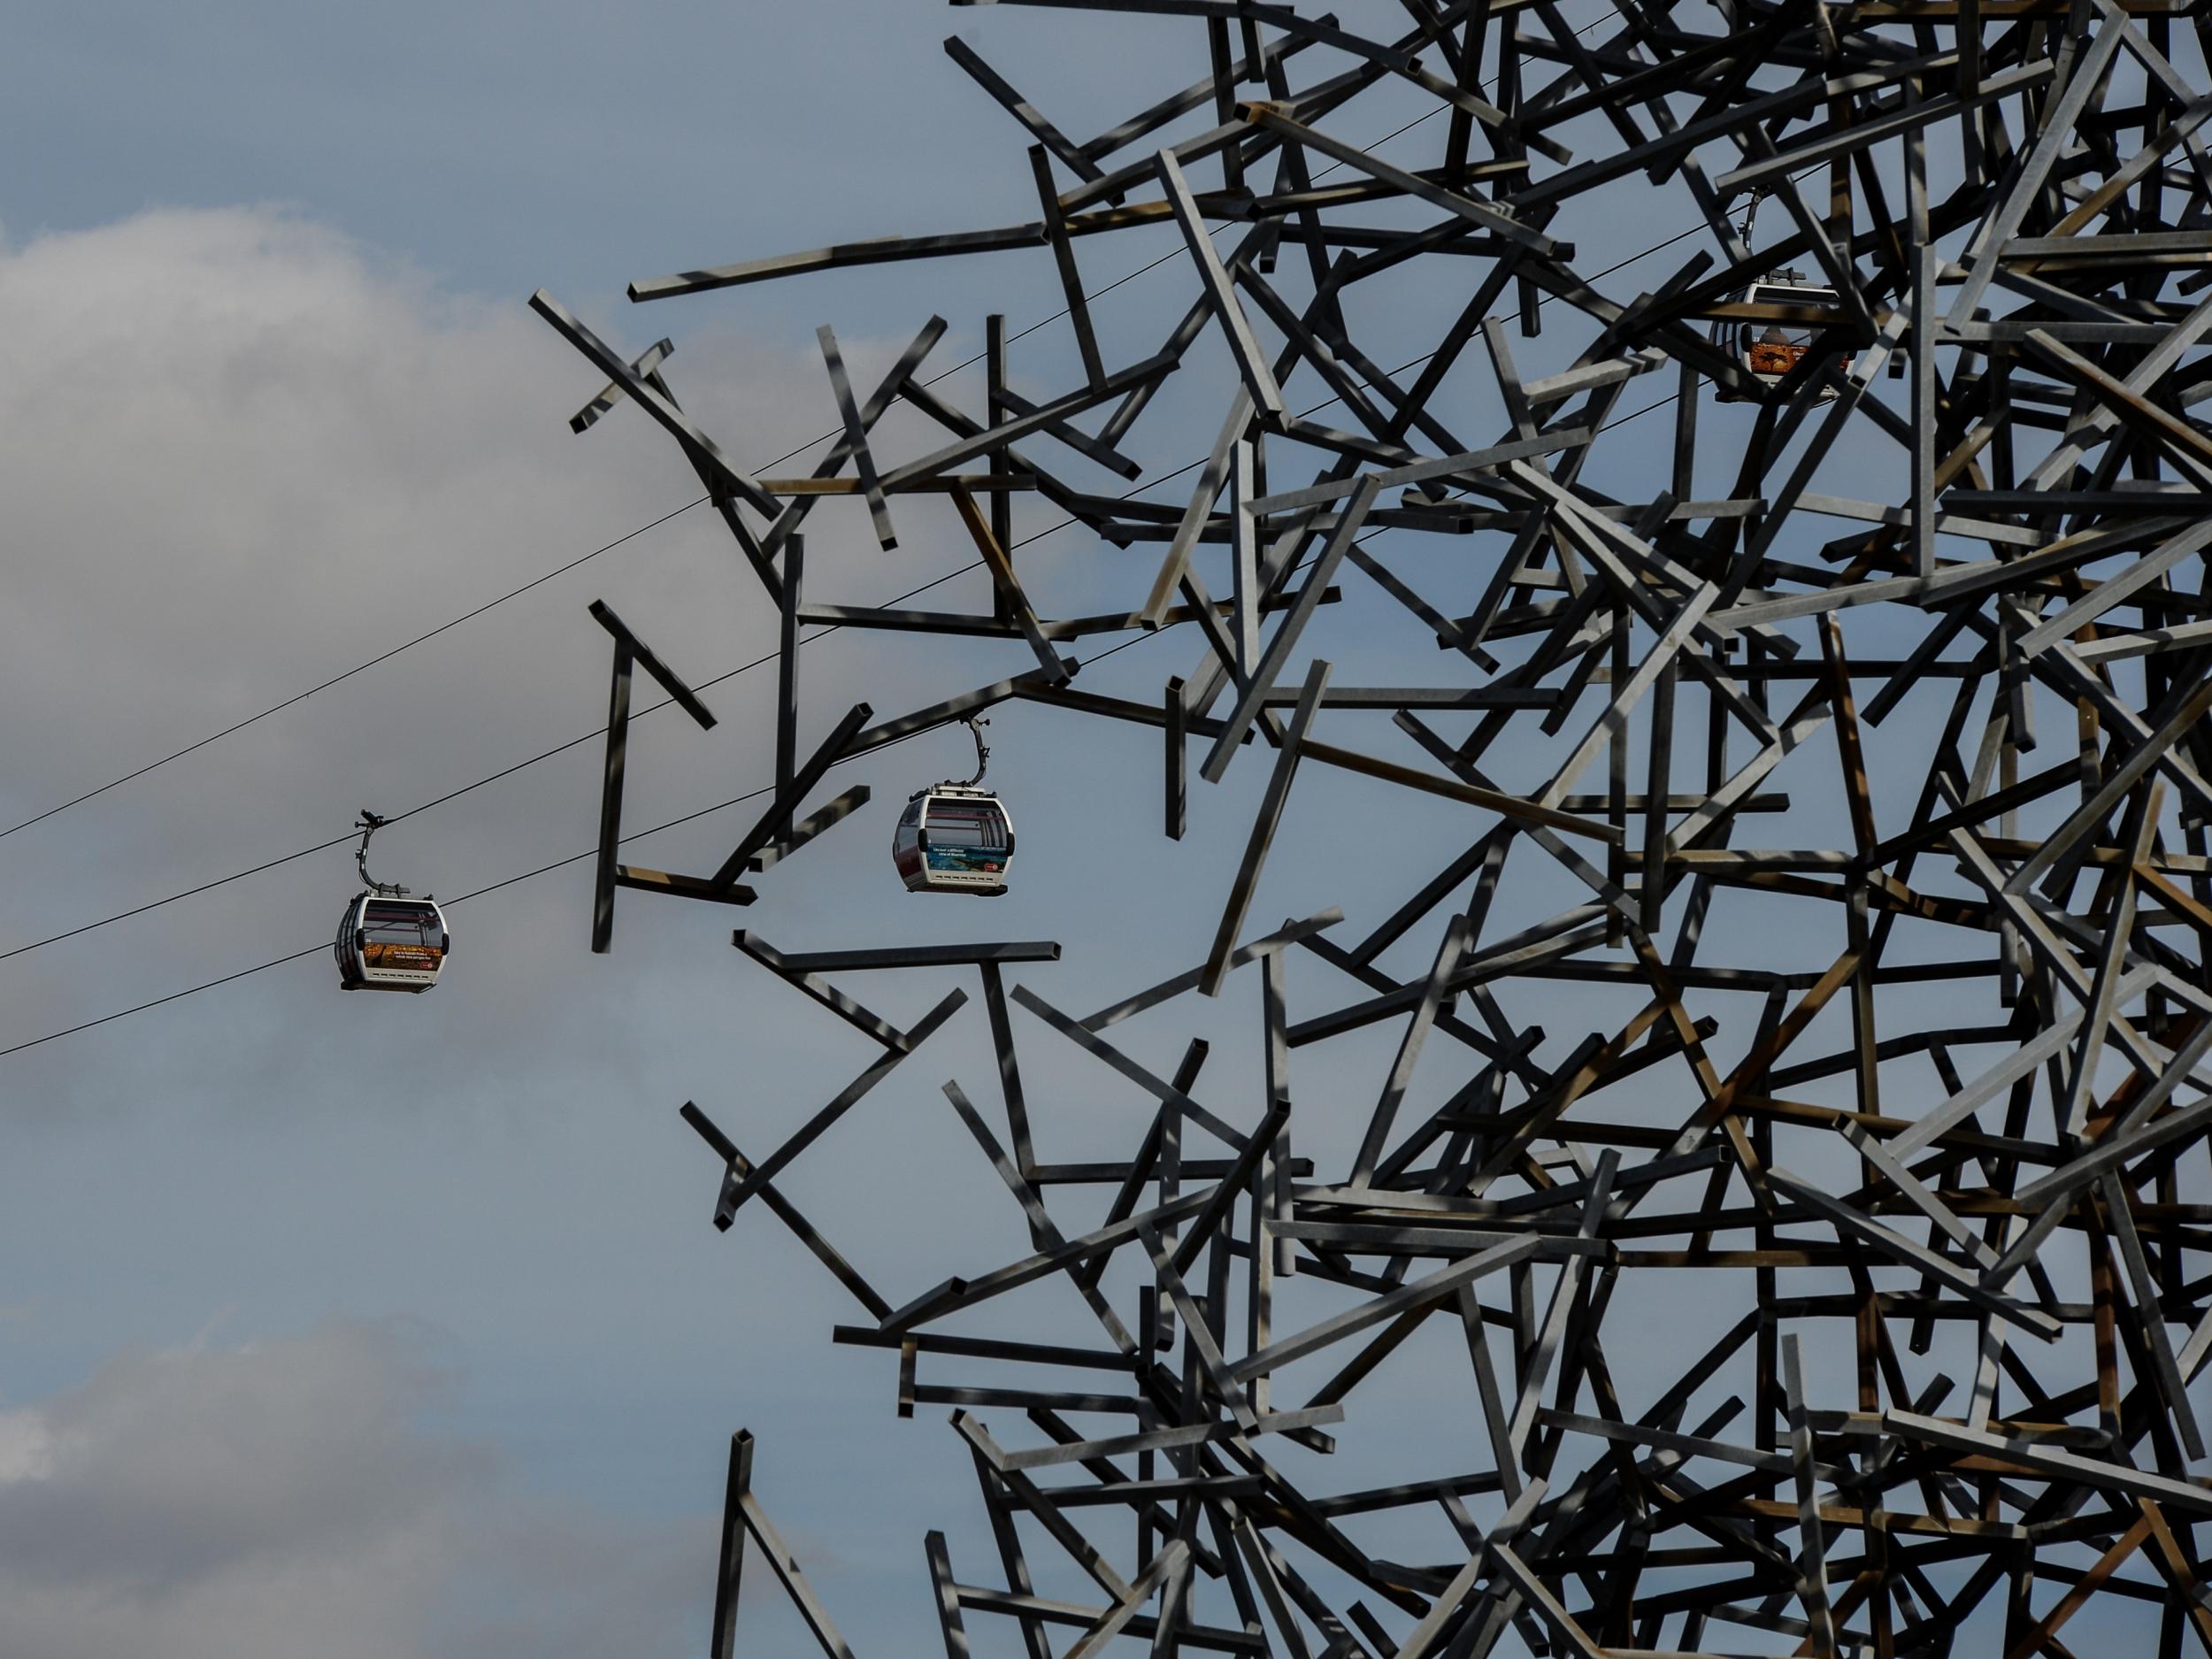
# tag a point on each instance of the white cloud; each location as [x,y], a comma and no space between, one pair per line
[286,1497]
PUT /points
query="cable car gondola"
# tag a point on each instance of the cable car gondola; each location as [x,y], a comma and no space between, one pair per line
[1767,351]
[387,939]
[955,837]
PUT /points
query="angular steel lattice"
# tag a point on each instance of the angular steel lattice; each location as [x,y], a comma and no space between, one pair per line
[2014,245]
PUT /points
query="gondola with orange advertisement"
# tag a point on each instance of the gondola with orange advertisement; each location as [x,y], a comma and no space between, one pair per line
[1768,348]
[387,939]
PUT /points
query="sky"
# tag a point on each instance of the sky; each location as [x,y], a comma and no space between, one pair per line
[396,1325]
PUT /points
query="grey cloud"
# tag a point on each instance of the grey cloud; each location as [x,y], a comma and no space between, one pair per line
[167,1466]
[288,1496]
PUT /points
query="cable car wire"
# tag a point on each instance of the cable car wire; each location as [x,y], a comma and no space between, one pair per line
[561,748]
[675,513]
[688,818]
[543,755]
[560,864]
[451,794]
[539,581]
[358,668]
[477,893]
[589,736]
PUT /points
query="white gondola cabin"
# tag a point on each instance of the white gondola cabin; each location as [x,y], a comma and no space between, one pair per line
[954,838]
[1768,351]
[391,944]
[387,939]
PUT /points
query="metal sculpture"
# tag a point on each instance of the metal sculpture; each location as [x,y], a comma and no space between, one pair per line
[2017,233]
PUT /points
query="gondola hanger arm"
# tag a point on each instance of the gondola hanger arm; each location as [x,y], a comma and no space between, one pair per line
[368,823]
[975,724]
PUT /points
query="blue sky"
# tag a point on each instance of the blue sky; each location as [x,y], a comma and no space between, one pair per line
[275,405]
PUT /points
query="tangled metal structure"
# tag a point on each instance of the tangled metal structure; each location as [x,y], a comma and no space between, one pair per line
[1963,1120]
